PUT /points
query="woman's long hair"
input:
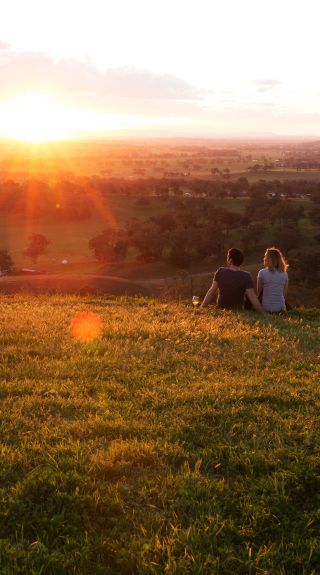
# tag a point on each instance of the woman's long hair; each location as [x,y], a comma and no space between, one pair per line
[277,259]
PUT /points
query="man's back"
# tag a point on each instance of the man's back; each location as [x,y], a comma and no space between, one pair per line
[232,286]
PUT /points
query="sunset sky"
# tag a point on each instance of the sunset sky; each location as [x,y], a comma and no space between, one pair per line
[175,67]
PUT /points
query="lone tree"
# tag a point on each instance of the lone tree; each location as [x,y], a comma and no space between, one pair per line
[6,263]
[109,246]
[37,246]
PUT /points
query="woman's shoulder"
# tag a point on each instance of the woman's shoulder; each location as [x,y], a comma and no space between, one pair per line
[263,272]
[282,274]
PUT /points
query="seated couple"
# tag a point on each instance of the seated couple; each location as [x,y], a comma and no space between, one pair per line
[232,285]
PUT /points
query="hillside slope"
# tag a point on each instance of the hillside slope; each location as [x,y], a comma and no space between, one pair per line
[169,443]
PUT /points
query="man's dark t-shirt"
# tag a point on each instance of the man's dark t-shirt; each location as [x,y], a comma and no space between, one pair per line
[232,285]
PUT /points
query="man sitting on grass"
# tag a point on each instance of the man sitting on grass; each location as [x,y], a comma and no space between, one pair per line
[232,285]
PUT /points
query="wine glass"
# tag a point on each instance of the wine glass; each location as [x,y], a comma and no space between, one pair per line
[195,300]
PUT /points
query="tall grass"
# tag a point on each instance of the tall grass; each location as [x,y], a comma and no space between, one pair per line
[170,443]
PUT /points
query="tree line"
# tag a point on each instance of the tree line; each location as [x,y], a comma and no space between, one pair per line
[79,198]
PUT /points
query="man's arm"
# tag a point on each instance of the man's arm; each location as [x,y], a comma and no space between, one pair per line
[254,300]
[210,294]
[259,286]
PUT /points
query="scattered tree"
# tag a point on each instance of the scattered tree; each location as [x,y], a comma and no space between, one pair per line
[287,237]
[314,215]
[305,266]
[6,263]
[250,236]
[38,244]
[109,246]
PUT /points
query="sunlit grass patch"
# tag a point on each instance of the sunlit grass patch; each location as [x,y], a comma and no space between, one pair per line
[169,443]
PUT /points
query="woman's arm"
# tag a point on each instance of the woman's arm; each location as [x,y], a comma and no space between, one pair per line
[259,286]
[210,294]
[254,300]
[285,289]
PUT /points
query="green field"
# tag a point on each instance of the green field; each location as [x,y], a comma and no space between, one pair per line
[70,239]
[171,443]
[269,175]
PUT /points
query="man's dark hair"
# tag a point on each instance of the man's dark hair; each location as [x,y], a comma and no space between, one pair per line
[236,256]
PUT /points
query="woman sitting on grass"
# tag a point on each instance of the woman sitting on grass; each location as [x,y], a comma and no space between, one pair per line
[272,281]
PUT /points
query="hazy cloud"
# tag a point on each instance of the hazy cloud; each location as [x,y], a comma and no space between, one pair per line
[81,83]
[166,98]
[265,85]
[267,118]
[255,106]
[4,45]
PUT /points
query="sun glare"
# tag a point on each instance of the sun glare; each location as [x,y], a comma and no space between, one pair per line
[38,117]
[35,117]
[86,326]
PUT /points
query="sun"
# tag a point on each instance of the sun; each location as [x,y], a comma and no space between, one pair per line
[35,117]
[39,117]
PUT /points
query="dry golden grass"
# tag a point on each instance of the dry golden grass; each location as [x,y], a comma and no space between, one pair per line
[168,443]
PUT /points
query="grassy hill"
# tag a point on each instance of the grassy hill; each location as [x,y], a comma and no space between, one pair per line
[169,443]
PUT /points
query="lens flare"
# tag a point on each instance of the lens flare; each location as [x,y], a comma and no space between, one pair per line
[86,326]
